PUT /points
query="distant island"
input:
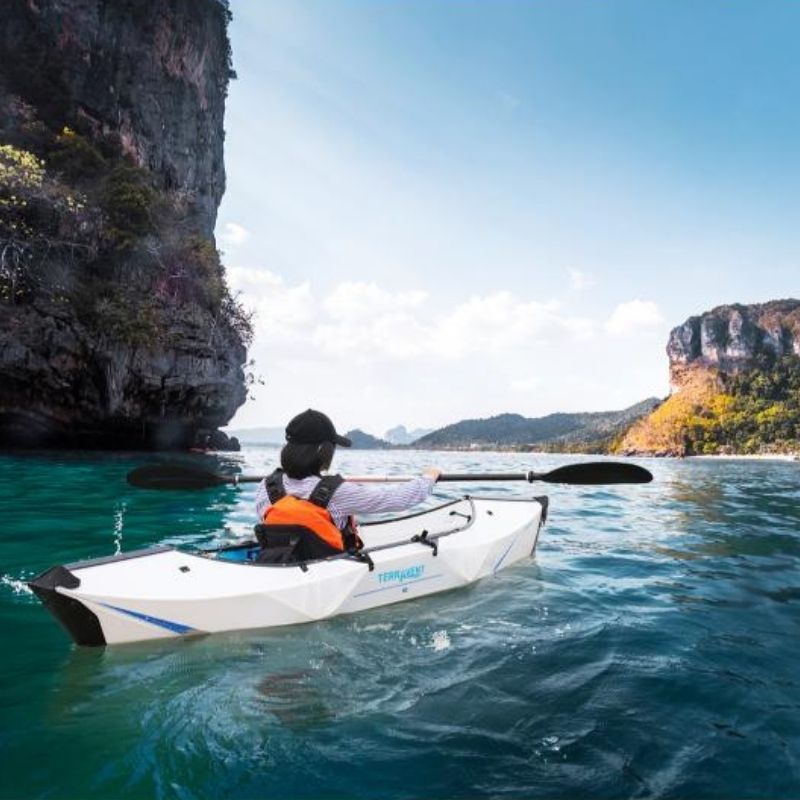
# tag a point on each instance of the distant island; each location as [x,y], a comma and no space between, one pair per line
[395,437]
[735,375]
[735,378]
[401,435]
[562,432]
[366,441]
[277,438]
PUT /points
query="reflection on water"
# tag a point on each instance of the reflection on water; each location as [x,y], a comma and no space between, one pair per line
[294,699]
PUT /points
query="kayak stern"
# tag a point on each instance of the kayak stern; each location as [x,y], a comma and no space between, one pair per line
[81,623]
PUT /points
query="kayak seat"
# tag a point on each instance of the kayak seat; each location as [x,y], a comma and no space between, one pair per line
[290,544]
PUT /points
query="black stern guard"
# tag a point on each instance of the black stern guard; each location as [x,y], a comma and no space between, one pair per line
[79,621]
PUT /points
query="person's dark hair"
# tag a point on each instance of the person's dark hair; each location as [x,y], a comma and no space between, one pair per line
[302,460]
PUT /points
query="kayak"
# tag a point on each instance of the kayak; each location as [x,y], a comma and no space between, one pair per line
[165,592]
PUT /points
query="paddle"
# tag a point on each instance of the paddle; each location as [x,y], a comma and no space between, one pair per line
[593,473]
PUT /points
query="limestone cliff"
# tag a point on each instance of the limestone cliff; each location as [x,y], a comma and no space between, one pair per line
[730,338]
[735,376]
[116,326]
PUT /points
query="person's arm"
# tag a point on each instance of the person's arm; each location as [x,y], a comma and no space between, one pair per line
[356,498]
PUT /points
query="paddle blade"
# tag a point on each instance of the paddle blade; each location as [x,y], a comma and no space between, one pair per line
[173,476]
[596,473]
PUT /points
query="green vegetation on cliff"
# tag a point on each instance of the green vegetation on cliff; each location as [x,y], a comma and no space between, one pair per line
[758,410]
[735,372]
[82,226]
[117,328]
[755,410]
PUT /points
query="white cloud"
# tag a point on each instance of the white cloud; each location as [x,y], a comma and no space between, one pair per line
[368,299]
[280,309]
[365,321]
[367,354]
[502,321]
[371,323]
[368,322]
[633,316]
[580,280]
[233,235]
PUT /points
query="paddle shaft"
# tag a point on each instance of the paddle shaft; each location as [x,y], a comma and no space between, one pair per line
[443,478]
[177,476]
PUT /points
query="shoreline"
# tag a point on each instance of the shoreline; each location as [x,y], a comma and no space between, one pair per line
[750,457]
[178,454]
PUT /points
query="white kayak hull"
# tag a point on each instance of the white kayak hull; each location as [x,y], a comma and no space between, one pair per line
[164,592]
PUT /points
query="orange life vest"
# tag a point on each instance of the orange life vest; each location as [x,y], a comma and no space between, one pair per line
[312,514]
[295,511]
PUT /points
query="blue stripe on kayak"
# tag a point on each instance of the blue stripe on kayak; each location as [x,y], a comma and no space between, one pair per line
[175,627]
[503,557]
[397,585]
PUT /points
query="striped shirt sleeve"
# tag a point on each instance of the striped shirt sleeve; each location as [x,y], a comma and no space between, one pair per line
[355,498]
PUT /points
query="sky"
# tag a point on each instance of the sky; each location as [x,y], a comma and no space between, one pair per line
[449,209]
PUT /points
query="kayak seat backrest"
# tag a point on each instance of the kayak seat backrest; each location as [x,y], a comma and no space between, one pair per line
[290,544]
[242,553]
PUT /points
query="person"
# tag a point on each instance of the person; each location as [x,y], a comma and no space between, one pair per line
[297,497]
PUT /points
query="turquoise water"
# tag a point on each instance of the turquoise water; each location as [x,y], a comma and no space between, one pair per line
[650,650]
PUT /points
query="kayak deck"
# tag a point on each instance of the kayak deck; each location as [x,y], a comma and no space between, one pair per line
[165,592]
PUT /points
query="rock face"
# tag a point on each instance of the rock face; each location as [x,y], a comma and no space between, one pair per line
[730,338]
[735,373]
[65,385]
[116,327]
[153,74]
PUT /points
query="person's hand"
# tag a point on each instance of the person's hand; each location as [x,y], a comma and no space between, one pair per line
[432,473]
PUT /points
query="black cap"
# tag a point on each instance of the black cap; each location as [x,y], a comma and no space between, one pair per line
[314,427]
